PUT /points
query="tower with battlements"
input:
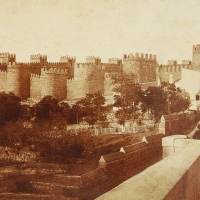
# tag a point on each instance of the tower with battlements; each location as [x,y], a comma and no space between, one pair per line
[196,57]
[143,66]
[88,78]
[18,79]
[5,58]
[69,80]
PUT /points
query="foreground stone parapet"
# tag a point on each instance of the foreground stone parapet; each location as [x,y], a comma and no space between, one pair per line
[175,177]
[174,143]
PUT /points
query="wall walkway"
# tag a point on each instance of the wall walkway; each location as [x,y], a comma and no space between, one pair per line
[177,176]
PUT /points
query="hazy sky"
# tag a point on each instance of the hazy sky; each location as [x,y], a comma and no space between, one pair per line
[105,28]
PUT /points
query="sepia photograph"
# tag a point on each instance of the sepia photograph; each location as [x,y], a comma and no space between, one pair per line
[99,99]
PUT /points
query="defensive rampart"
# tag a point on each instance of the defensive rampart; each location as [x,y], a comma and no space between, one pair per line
[3,80]
[52,82]
[167,72]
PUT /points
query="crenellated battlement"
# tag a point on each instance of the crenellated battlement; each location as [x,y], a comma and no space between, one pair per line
[64,57]
[142,56]
[115,61]
[54,71]
[67,59]
[19,64]
[3,72]
[89,66]
[38,56]
[57,64]
[196,48]
[186,62]
[35,76]
[93,59]
[170,68]
[6,57]
[6,54]
[172,62]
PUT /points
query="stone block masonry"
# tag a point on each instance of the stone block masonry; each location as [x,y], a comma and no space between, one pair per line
[36,80]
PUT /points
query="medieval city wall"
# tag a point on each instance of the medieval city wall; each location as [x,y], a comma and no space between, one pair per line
[108,87]
[25,82]
[143,66]
[13,79]
[54,83]
[7,57]
[18,79]
[3,80]
[88,78]
[35,86]
[196,57]
[166,70]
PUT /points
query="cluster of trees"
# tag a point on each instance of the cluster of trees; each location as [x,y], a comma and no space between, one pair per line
[89,109]
[132,102]
[48,149]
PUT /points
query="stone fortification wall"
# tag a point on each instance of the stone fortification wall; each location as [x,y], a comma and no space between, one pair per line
[115,61]
[165,71]
[142,56]
[3,66]
[108,86]
[3,80]
[71,60]
[35,86]
[92,59]
[196,57]
[54,83]
[38,58]
[88,78]
[143,66]
[7,57]
[18,80]
[112,69]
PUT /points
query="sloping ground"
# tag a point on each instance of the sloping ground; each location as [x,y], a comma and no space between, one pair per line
[59,181]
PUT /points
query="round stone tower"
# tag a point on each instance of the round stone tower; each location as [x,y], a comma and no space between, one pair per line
[18,79]
[196,57]
[13,79]
[54,83]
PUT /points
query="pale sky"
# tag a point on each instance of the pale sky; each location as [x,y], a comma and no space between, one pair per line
[104,28]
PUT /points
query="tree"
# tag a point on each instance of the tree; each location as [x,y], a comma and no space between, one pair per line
[179,100]
[156,100]
[128,96]
[9,107]
[47,107]
[91,108]
[65,111]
